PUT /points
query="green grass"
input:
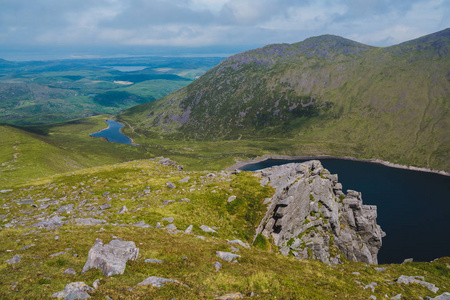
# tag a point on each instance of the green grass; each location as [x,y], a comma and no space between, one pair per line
[188,259]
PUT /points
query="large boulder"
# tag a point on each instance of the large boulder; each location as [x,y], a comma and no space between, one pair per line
[111,258]
[310,217]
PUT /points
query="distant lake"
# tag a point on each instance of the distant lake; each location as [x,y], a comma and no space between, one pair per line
[413,206]
[129,68]
[113,134]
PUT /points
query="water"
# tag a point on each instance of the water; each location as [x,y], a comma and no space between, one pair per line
[113,134]
[413,206]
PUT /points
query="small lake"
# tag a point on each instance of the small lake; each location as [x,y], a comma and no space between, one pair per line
[113,134]
[413,206]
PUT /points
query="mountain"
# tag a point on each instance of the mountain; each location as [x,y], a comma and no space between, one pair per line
[325,95]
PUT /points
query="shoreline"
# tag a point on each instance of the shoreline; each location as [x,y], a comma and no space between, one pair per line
[241,164]
[120,130]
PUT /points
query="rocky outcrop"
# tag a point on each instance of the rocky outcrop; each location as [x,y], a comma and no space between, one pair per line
[311,218]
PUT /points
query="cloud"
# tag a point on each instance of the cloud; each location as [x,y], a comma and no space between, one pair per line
[197,23]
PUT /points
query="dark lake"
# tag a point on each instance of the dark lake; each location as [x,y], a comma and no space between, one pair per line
[113,134]
[413,206]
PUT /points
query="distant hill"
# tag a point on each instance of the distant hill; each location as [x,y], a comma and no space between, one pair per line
[343,97]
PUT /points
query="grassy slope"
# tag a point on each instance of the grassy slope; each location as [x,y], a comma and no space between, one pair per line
[260,270]
[388,103]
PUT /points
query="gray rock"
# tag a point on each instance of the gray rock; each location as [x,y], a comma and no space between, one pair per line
[227,256]
[28,246]
[408,260]
[142,224]
[184,200]
[231,199]
[5,191]
[89,221]
[234,249]
[371,286]
[168,162]
[153,261]
[238,242]
[218,266]
[52,223]
[189,229]
[373,297]
[165,202]
[169,219]
[185,179]
[171,228]
[111,258]
[306,208]
[207,228]
[70,271]
[14,260]
[170,185]
[77,295]
[57,254]
[123,210]
[380,269]
[444,296]
[397,297]
[413,279]
[26,201]
[156,281]
[105,206]
[65,208]
[96,283]
[230,296]
[72,287]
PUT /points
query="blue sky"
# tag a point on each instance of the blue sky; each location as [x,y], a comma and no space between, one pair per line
[87,26]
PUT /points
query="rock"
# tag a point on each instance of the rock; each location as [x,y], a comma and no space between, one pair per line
[123,210]
[322,223]
[26,201]
[171,228]
[28,246]
[89,221]
[231,199]
[165,202]
[408,260]
[230,296]
[5,191]
[380,269]
[52,223]
[184,200]
[56,237]
[73,287]
[169,162]
[70,271]
[111,258]
[153,261]
[413,279]
[96,283]
[356,273]
[227,256]
[444,296]
[57,254]
[218,266]
[239,242]
[234,249]
[77,295]
[14,260]
[65,208]
[397,297]
[156,281]
[189,229]
[170,185]
[105,206]
[371,286]
[170,219]
[185,179]
[142,224]
[373,297]
[207,228]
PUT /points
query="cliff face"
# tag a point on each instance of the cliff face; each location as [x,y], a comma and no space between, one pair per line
[310,217]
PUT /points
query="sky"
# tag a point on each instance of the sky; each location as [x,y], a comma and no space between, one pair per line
[178,27]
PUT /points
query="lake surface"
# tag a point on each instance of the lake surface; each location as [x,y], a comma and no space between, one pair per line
[113,134]
[413,206]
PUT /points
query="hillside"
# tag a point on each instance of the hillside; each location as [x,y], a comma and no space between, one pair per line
[49,226]
[325,95]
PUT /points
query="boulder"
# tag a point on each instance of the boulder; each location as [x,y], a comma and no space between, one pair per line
[207,229]
[156,281]
[218,266]
[70,271]
[227,256]
[238,242]
[71,288]
[52,223]
[14,260]
[111,258]
[89,221]
[418,280]
[444,296]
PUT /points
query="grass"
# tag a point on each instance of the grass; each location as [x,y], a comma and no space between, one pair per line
[186,258]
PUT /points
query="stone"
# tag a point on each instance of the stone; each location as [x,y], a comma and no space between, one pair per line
[28,246]
[52,223]
[397,297]
[77,295]
[123,210]
[218,266]
[373,297]
[380,269]
[413,279]
[184,200]
[306,203]
[14,260]
[227,256]
[89,221]
[230,296]
[70,271]
[408,260]
[238,242]
[234,249]
[105,206]
[170,185]
[57,254]
[169,219]
[73,287]
[65,208]
[189,229]
[171,228]
[185,179]
[444,296]
[356,273]
[142,224]
[371,286]
[96,283]
[168,162]
[26,201]
[111,258]
[153,261]
[231,199]
[207,229]
[156,281]
[5,191]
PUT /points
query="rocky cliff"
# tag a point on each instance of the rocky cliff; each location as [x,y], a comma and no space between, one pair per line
[310,217]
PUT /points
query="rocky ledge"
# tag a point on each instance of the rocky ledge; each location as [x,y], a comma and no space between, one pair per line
[311,218]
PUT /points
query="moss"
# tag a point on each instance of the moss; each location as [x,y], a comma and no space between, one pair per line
[311,197]
[261,242]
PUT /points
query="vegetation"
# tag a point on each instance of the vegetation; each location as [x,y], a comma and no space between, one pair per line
[141,186]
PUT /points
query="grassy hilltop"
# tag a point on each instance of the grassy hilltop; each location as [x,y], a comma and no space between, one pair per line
[325,95]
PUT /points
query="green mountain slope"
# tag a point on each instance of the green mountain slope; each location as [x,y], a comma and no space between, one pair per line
[325,95]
